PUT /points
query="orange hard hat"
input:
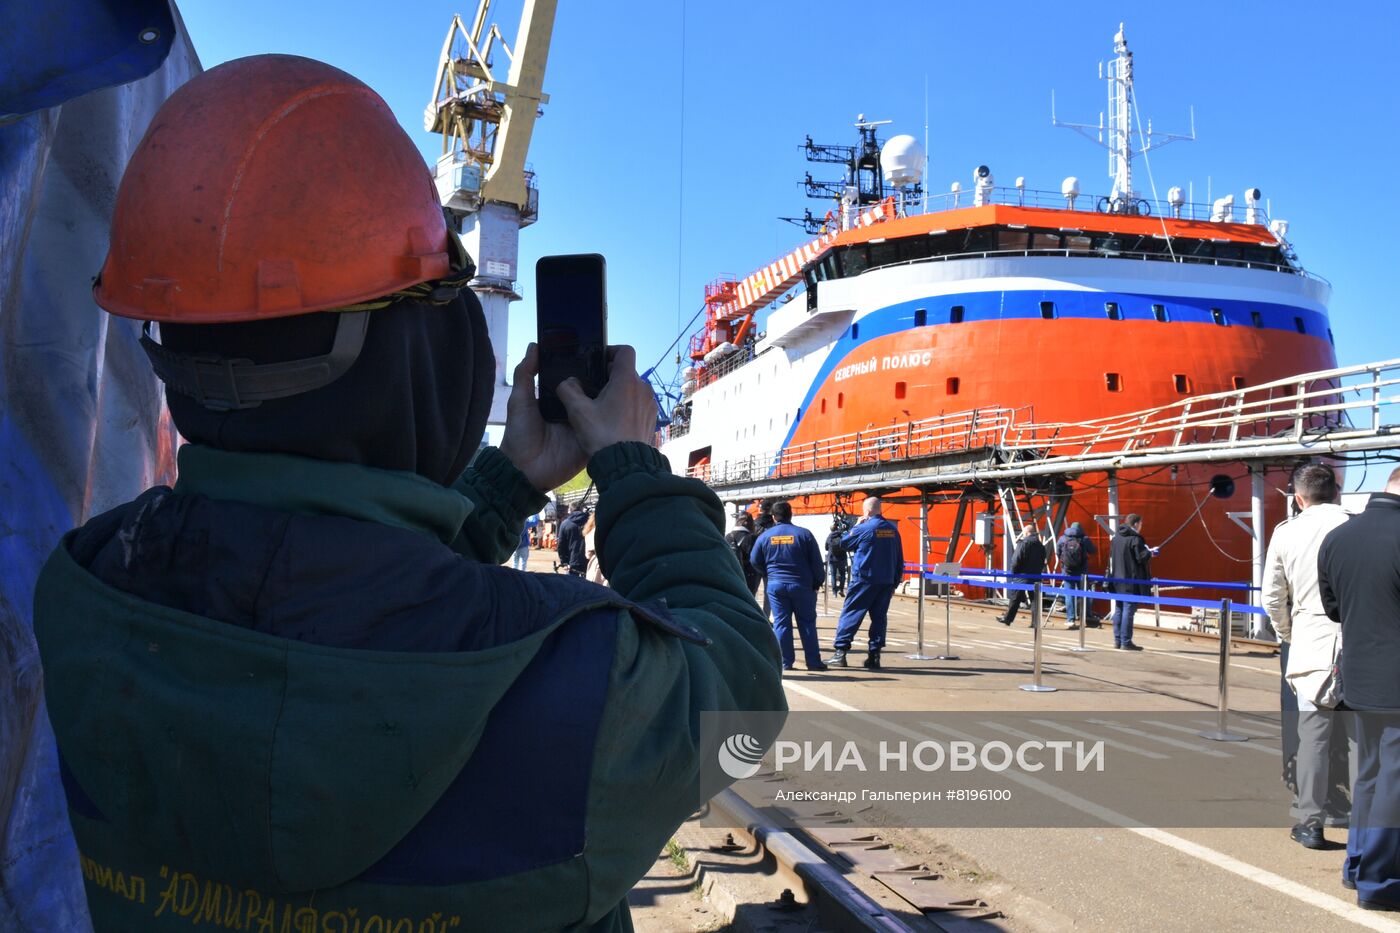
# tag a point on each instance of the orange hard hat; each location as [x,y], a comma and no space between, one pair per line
[267,187]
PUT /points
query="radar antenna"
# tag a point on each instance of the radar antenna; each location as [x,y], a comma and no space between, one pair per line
[1120,130]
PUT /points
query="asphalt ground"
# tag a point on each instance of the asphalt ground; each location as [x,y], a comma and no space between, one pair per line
[1096,879]
[1179,879]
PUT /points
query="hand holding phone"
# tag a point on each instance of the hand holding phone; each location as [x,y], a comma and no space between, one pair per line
[624,411]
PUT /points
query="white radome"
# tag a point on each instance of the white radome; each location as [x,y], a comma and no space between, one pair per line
[902,159]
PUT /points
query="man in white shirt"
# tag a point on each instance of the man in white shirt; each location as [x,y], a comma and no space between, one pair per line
[1295,609]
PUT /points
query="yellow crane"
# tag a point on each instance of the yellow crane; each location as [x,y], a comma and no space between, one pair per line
[482,176]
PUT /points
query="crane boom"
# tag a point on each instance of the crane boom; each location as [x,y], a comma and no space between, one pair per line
[505,179]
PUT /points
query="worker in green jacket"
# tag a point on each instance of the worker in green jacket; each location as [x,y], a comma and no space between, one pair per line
[298,692]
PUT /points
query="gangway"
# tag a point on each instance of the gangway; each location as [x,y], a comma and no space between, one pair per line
[1002,454]
[1333,411]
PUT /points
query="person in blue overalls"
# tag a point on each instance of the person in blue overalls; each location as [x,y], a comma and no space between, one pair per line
[791,562]
[876,569]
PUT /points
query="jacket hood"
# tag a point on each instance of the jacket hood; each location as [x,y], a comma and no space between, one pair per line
[1074,531]
[1126,532]
[233,782]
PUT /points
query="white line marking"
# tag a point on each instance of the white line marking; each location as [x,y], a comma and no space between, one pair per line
[1111,743]
[1242,730]
[1187,729]
[1175,743]
[1248,872]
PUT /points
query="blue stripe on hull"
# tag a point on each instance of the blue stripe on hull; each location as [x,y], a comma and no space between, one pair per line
[1025,305]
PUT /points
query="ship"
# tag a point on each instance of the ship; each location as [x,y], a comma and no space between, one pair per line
[908,308]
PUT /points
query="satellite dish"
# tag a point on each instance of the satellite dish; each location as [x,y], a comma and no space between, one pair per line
[1069,187]
[1176,197]
[902,159]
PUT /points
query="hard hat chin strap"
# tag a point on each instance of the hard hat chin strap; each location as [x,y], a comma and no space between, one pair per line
[222,384]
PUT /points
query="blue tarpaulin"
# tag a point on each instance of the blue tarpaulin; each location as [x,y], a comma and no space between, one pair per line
[83,426]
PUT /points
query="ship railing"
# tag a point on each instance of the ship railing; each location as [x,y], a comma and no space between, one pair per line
[1306,409]
[967,430]
[931,202]
[1163,256]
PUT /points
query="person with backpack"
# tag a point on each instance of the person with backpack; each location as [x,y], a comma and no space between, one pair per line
[741,541]
[837,561]
[1073,550]
[1029,560]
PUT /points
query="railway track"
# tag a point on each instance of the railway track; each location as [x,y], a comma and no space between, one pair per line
[855,880]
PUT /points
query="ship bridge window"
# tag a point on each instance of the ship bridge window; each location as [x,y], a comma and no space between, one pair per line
[920,317]
[855,259]
[1113,382]
[955,316]
[1160,313]
[1114,312]
[1079,244]
[1257,318]
[1218,317]
[979,240]
[1298,323]
[1045,241]
[884,254]
[1047,310]
[1013,240]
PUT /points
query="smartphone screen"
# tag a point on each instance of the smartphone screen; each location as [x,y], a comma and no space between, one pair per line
[571,311]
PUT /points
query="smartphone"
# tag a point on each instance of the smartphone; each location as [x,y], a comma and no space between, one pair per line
[571,326]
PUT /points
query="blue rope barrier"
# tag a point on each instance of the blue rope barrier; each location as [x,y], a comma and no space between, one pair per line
[1199,584]
[1096,594]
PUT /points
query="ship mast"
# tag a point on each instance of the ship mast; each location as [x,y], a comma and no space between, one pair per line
[1121,106]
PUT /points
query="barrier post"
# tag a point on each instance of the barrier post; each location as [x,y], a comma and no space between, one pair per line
[1083,612]
[1221,734]
[947,570]
[1036,686]
[1156,606]
[918,654]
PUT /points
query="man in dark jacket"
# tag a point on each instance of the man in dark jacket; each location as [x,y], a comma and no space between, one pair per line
[837,562]
[299,688]
[573,553]
[741,541]
[1074,549]
[1131,561]
[1358,578]
[1029,559]
[787,556]
[876,571]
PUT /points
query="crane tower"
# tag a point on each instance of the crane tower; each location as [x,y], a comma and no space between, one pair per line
[485,123]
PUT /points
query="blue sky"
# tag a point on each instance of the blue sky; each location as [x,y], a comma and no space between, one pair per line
[677,183]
